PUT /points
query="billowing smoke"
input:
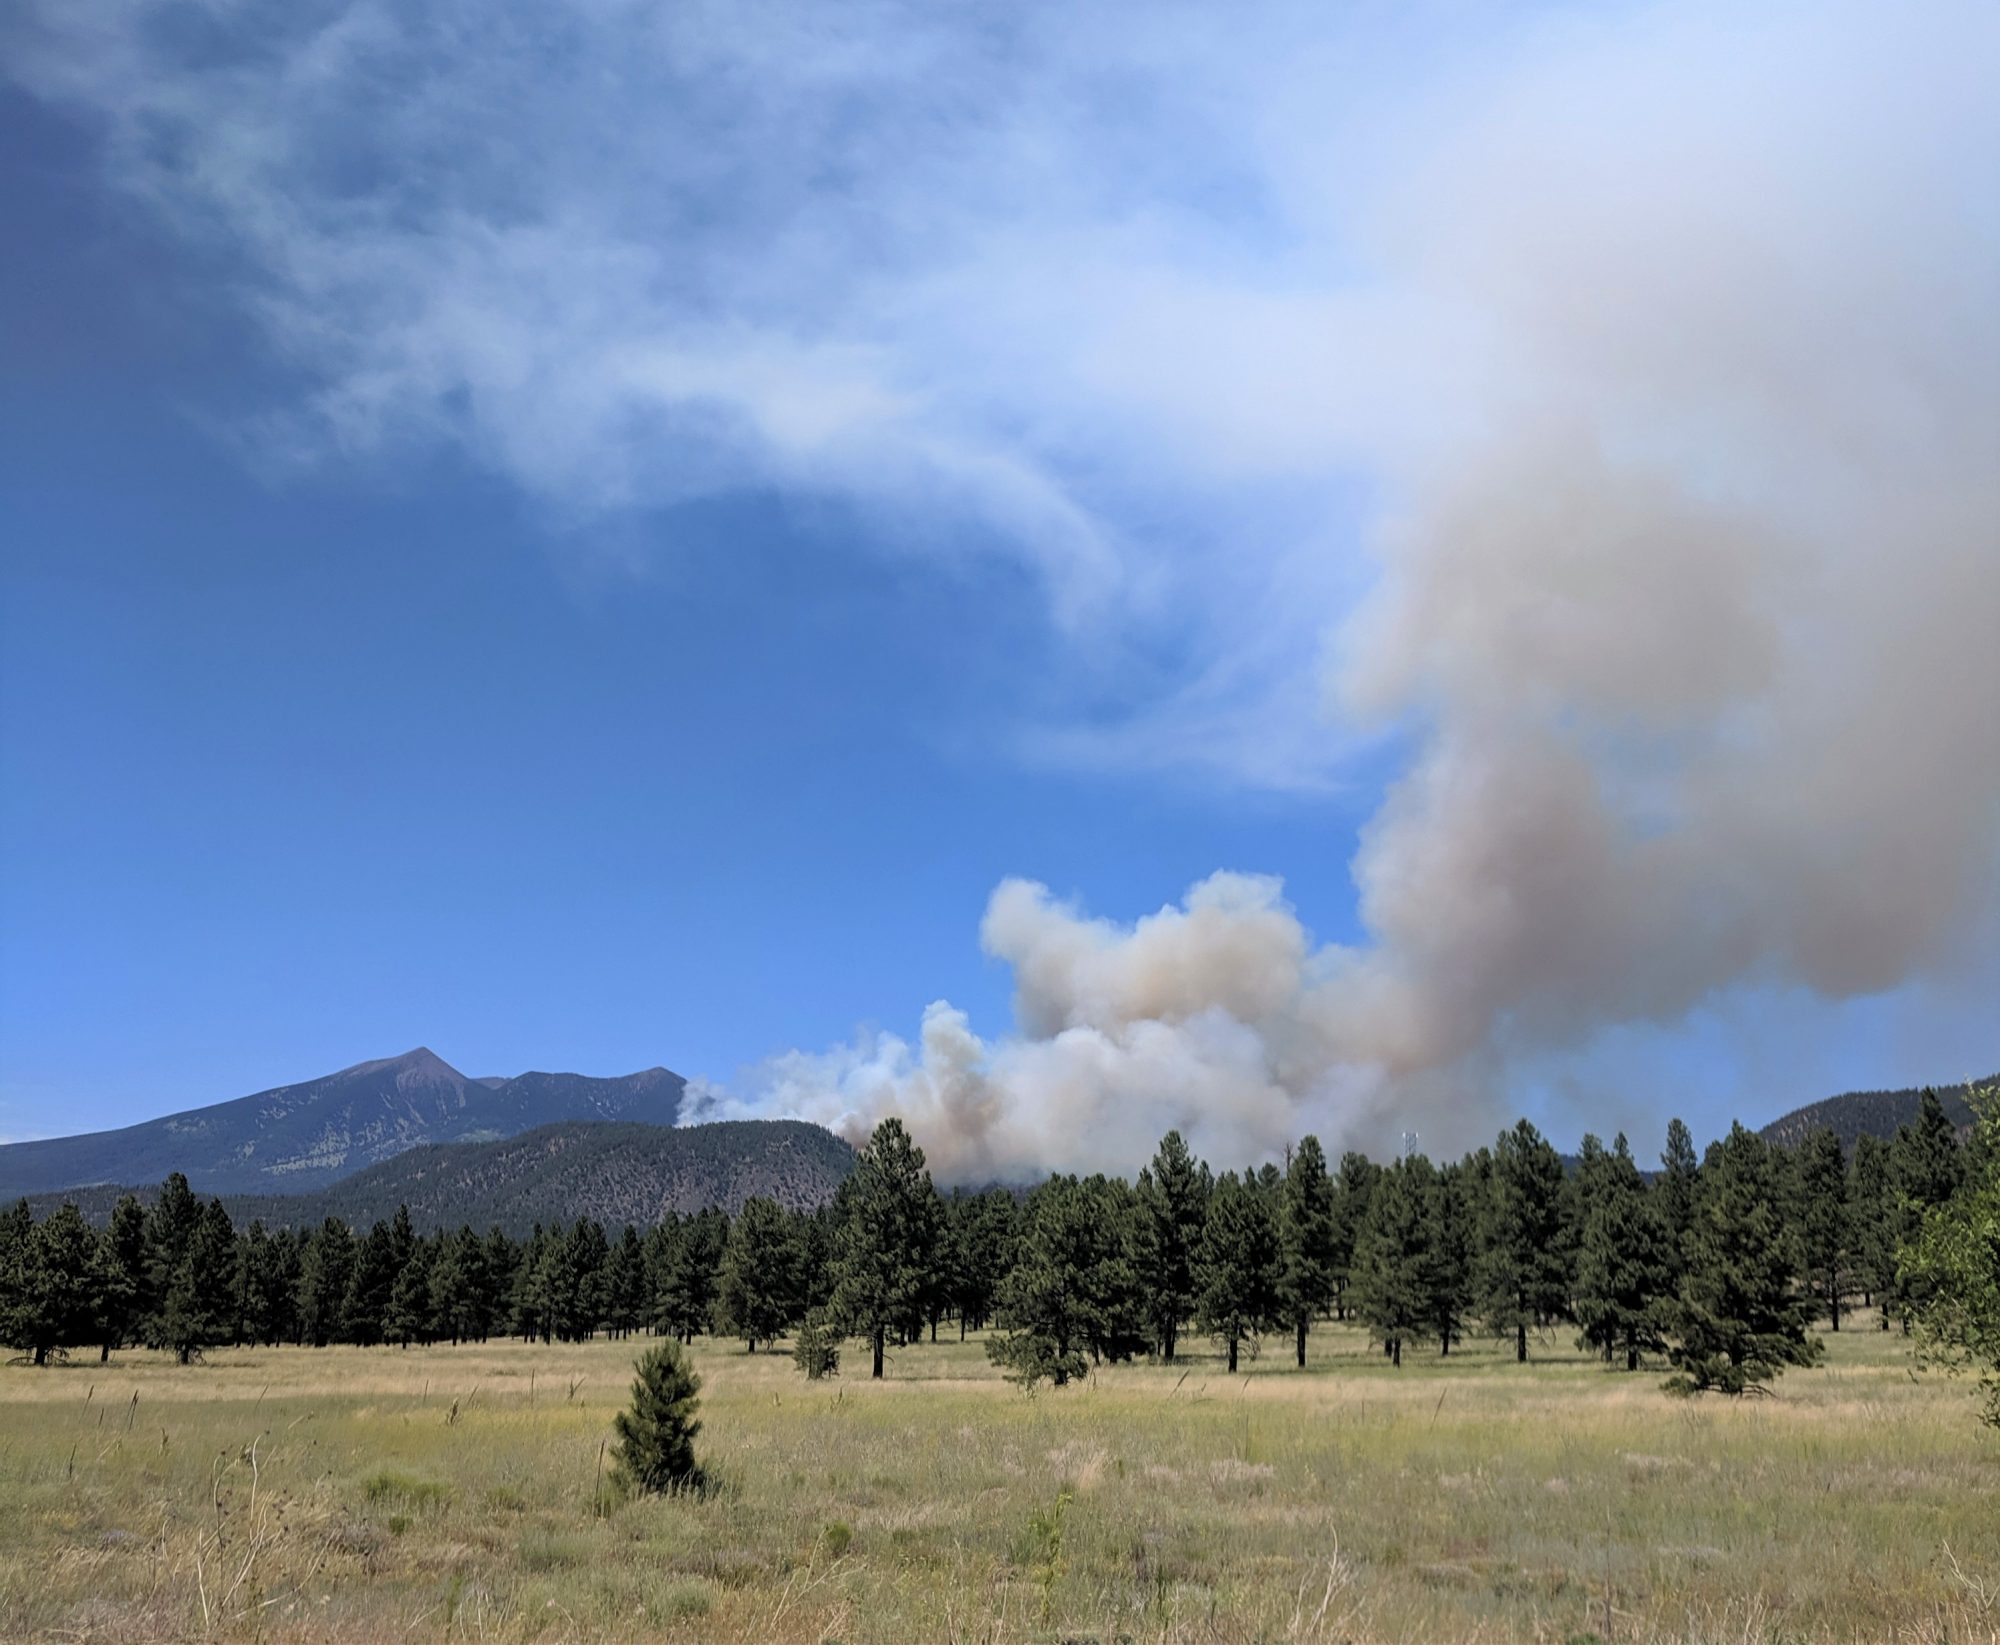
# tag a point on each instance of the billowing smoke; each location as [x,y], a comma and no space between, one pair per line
[1688,598]
[1663,343]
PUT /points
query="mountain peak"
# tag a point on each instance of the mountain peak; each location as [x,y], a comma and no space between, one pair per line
[421,1065]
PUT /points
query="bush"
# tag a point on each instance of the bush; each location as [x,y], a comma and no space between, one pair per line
[816,1349]
[656,1436]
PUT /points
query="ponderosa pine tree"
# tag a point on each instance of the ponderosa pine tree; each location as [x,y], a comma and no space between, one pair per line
[1350,1211]
[1953,1266]
[1680,1175]
[1925,1170]
[1238,1265]
[1048,1298]
[757,1291]
[983,1234]
[883,1259]
[656,1435]
[1823,1218]
[1173,1206]
[1309,1241]
[1452,1239]
[1871,1216]
[1523,1269]
[625,1290]
[1739,1318]
[326,1267]
[191,1315]
[53,1304]
[1624,1277]
[121,1277]
[1392,1284]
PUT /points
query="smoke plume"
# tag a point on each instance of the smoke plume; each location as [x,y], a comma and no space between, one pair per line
[1687,598]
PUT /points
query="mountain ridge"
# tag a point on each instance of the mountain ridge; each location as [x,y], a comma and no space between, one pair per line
[616,1172]
[312,1133]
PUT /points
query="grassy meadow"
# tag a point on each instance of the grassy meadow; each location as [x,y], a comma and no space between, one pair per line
[453,1493]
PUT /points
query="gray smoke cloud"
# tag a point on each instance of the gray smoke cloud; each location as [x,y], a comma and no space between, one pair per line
[1689,592]
[1663,343]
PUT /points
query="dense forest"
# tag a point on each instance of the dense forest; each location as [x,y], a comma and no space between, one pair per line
[1721,1264]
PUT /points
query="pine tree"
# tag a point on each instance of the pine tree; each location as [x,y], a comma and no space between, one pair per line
[1391,1291]
[888,1229]
[408,1316]
[1872,1218]
[1173,1199]
[1353,1189]
[1823,1220]
[1953,1266]
[1074,1288]
[625,1284]
[1451,1245]
[1309,1239]
[191,1316]
[54,1300]
[757,1294]
[982,1234]
[1739,1319]
[121,1281]
[685,1303]
[1624,1272]
[459,1287]
[1925,1170]
[1680,1175]
[326,1268]
[1523,1267]
[816,1347]
[1238,1267]
[656,1436]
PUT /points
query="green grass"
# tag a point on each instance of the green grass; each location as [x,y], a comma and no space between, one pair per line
[334,1495]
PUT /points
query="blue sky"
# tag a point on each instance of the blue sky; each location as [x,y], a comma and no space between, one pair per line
[603,537]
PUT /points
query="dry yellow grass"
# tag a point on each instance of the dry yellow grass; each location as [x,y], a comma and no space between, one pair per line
[353,1494]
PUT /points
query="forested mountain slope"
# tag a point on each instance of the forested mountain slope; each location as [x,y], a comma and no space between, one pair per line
[614,1173]
[1868,1113]
[305,1136]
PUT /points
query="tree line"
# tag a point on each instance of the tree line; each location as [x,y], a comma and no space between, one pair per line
[1721,1264]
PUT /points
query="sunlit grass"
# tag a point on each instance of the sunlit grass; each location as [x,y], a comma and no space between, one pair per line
[352,1494]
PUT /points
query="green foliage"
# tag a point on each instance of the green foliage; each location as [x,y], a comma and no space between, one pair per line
[1173,1203]
[1074,1289]
[816,1347]
[890,1217]
[1523,1268]
[1239,1265]
[1824,1219]
[1624,1270]
[1952,1267]
[656,1435]
[758,1290]
[1309,1240]
[1739,1319]
[1392,1290]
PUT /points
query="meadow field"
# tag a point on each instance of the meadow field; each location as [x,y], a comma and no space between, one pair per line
[462,1493]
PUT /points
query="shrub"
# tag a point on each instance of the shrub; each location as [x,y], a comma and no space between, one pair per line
[656,1436]
[816,1349]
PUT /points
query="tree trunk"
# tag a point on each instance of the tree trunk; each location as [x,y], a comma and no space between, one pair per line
[1232,1356]
[1833,1304]
[1521,1344]
[961,1327]
[104,1353]
[877,1372]
[1396,1351]
[934,1329]
[42,1353]
[1302,1342]
[1631,1357]
[1444,1344]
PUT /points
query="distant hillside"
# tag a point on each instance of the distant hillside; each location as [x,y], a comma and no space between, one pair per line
[306,1136]
[556,1173]
[1867,1113]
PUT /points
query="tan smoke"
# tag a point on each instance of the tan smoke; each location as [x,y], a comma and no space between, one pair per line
[1687,602]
